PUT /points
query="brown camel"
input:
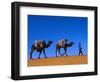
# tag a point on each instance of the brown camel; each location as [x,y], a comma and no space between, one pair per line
[39,46]
[63,44]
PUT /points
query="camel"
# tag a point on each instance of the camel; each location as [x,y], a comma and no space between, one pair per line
[39,46]
[63,44]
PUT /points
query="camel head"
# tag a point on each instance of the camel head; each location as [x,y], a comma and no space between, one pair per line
[49,43]
[71,43]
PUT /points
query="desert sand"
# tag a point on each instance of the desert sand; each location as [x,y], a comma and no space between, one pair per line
[62,60]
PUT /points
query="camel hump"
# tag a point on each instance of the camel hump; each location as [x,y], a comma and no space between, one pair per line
[39,43]
[61,42]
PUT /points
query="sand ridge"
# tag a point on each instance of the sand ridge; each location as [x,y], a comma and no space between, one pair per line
[62,60]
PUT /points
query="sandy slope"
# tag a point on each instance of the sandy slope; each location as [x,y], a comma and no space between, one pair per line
[64,60]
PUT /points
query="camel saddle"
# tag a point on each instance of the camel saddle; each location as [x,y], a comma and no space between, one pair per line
[39,43]
[61,43]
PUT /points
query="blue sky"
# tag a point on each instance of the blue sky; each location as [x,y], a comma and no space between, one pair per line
[55,28]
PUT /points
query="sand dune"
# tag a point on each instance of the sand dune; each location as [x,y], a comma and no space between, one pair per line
[64,60]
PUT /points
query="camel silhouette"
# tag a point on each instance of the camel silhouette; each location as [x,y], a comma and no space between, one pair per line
[63,44]
[39,46]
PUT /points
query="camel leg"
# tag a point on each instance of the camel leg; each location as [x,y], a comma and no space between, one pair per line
[44,53]
[56,51]
[59,51]
[65,49]
[31,52]
[39,54]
